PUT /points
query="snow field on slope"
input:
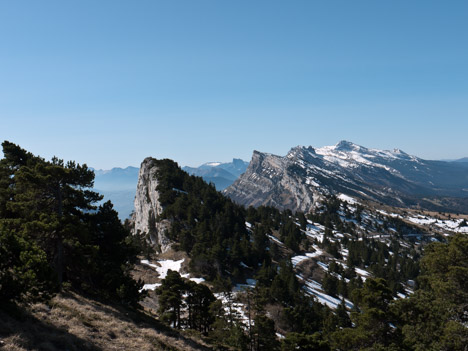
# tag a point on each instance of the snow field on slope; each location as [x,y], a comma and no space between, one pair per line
[315,289]
[299,258]
[163,267]
[445,224]
[315,230]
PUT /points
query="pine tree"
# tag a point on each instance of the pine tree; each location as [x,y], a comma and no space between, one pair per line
[198,301]
[25,274]
[52,197]
[48,209]
[372,329]
[264,336]
[171,298]
[435,316]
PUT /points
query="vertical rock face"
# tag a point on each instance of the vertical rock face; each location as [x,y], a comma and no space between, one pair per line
[270,181]
[148,207]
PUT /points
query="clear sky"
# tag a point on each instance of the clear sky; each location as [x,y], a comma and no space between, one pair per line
[108,83]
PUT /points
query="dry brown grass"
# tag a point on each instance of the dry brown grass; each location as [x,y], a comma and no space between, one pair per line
[73,322]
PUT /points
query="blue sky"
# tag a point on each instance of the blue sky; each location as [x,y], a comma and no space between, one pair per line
[108,83]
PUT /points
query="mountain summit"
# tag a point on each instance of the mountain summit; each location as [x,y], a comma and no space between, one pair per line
[297,180]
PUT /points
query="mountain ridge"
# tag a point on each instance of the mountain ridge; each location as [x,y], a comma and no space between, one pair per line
[296,180]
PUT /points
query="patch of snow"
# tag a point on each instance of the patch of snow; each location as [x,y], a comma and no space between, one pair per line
[313,288]
[275,240]
[323,265]
[237,308]
[317,252]
[348,199]
[149,264]
[364,274]
[422,220]
[361,272]
[164,266]
[298,259]
[150,286]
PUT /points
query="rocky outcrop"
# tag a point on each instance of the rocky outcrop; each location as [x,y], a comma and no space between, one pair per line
[148,208]
[270,180]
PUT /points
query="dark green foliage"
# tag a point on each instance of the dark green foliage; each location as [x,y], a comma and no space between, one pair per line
[227,332]
[376,323]
[305,315]
[116,253]
[372,329]
[264,337]
[207,225]
[171,298]
[199,299]
[304,342]
[186,303]
[330,284]
[290,233]
[435,316]
[25,274]
[285,286]
[49,219]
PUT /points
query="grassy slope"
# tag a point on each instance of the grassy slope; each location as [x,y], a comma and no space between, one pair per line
[73,322]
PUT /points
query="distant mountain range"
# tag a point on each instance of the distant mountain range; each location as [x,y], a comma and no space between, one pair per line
[296,181]
[464,159]
[119,184]
[220,174]
[293,181]
[116,178]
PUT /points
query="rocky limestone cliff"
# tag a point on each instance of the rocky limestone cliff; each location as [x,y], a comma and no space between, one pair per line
[270,180]
[147,206]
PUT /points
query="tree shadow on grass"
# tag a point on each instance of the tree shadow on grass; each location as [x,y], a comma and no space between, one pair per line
[19,329]
[141,319]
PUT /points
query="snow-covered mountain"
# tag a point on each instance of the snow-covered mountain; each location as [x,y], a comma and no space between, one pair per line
[220,174]
[297,180]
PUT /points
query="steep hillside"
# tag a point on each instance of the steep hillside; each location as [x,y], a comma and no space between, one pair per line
[282,277]
[297,180]
[173,207]
[73,322]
